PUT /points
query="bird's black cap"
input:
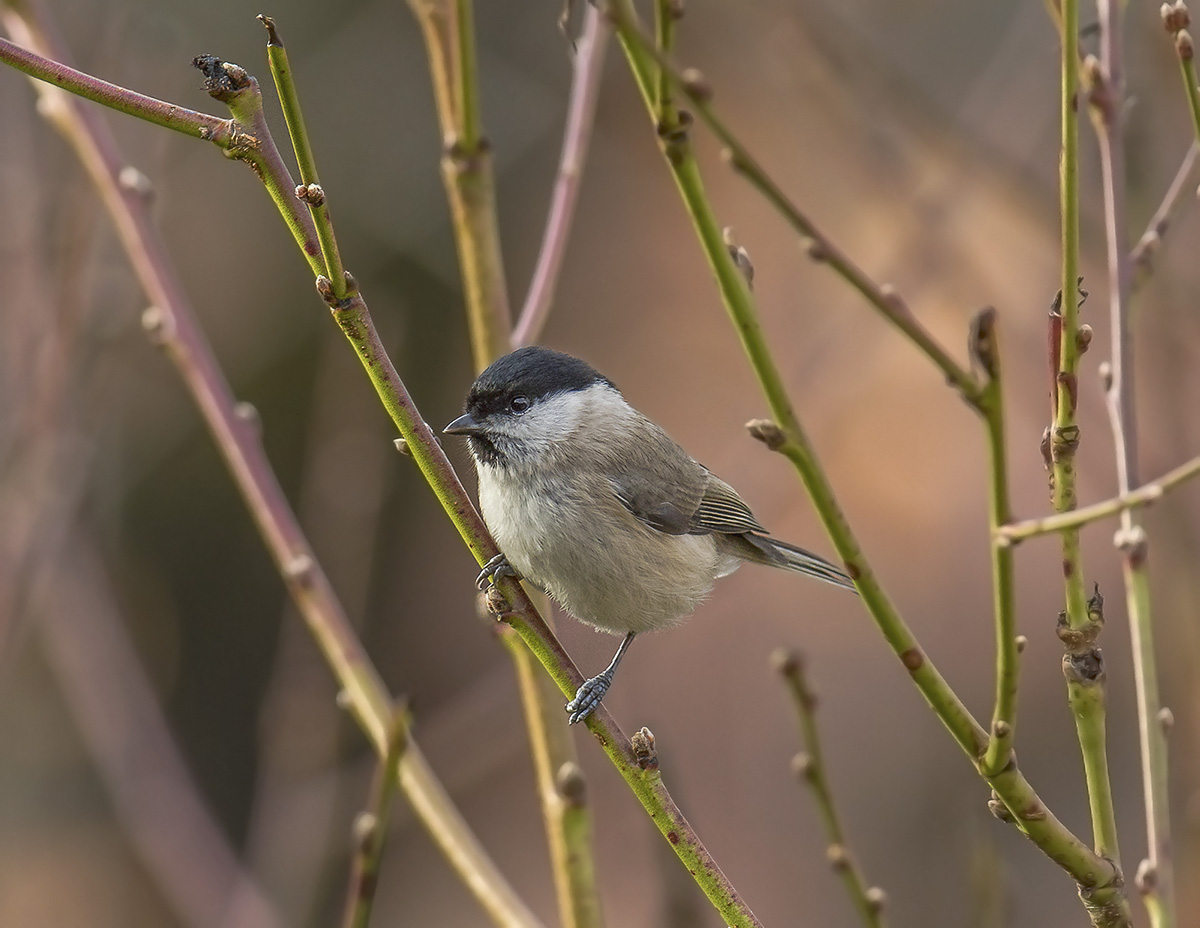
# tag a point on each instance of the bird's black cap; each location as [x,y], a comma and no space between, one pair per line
[533,372]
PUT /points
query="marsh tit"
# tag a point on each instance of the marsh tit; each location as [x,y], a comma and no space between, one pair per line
[596,505]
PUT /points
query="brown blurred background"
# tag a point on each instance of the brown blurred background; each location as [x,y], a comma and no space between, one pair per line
[922,136]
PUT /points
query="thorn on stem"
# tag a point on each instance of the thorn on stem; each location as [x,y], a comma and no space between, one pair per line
[1000,810]
[402,446]
[740,256]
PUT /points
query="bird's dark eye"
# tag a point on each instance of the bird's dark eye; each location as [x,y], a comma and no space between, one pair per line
[518,404]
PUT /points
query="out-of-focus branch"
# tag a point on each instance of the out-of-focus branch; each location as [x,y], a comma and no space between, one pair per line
[120,721]
[171,323]
[1099,880]
[820,248]
[1155,876]
[581,113]
[810,767]
[1141,258]
[1144,495]
[985,350]
[448,28]
[370,828]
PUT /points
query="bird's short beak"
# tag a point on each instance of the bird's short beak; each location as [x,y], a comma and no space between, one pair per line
[463,425]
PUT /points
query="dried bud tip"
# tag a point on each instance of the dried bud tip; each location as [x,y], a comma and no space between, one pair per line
[1183,45]
[767,432]
[364,827]
[1166,719]
[570,783]
[1175,16]
[876,898]
[785,661]
[695,86]
[644,752]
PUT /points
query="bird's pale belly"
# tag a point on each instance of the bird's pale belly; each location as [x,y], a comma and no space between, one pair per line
[606,568]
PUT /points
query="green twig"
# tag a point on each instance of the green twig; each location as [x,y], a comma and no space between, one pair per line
[467,172]
[810,766]
[1082,666]
[1176,19]
[985,349]
[650,65]
[172,324]
[1145,495]
[370,827]
[1098,879]
[310,190]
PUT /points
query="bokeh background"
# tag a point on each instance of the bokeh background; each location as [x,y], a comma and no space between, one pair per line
[163,710]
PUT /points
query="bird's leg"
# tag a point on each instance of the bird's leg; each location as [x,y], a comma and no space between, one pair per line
[588,696]
[496,568]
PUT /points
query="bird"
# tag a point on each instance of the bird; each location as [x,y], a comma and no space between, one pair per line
[597,506]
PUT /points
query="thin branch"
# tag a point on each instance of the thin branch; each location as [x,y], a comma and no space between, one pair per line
[1083,663]
[169,115]
[467,172]
[173,325]
[1156,874]
[310,190]
[581,114]
[810,766]
[1098,878]
[121,722]
[1176,19]
[1144,495]
[371,826]
[820,248]
[1141,258]
[985,349]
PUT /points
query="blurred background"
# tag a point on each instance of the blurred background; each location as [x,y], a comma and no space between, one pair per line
[162,709]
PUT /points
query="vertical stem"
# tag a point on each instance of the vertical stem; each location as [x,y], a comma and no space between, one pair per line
[1083,663]
[1155,876]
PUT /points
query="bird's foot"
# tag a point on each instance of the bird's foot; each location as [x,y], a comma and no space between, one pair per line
[494,569]
[588,697]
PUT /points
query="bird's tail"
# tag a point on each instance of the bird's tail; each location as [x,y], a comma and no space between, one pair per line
[780,554]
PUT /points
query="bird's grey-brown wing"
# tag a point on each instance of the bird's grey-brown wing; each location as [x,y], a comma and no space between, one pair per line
[664,488]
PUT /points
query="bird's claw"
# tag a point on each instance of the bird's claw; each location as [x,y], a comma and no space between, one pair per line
[493,570]
[588,697]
